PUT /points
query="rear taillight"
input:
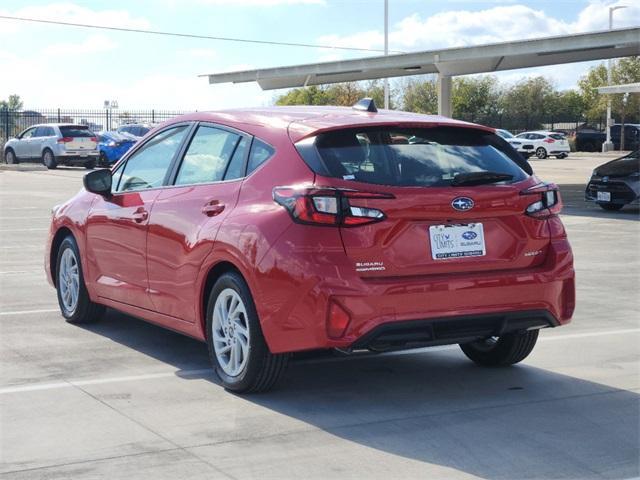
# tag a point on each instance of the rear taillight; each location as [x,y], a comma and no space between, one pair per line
[65,140]
[329,206]
[94,139]
[548,202]
[549,140]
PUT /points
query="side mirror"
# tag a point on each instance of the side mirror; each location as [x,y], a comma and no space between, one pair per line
[98,182]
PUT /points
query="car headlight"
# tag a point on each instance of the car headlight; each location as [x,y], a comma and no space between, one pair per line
[111,144]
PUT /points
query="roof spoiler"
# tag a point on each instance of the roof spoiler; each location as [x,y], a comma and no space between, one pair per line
[365,105]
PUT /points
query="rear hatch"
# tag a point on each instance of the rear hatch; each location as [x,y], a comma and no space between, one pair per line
[441,211]
[560,139]
[78,139]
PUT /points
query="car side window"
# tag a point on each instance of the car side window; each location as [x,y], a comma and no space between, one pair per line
[260,153]
[236,166]
[208,155]
[28,133]
[148,167]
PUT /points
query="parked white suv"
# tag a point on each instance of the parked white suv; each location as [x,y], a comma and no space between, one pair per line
[543,144]
[55,144]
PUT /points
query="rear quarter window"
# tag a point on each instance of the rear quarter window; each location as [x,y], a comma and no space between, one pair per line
[427,157]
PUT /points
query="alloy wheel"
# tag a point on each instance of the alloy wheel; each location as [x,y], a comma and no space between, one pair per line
[69,280]
[231,333]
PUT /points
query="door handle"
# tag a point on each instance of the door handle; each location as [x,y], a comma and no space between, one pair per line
[213,208]
[140,215]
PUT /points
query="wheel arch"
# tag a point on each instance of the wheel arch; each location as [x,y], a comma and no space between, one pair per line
[62,233]
[214,273]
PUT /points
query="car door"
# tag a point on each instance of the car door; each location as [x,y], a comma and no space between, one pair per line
[117,226]
[186,217]
[22,147]
[41,136]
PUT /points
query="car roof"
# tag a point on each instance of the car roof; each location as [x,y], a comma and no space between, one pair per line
[303,121]
[541,132]
[58,125]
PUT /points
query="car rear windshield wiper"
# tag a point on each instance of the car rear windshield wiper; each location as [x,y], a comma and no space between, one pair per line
[479,178]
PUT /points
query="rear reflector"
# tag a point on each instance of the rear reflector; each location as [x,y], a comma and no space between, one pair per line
[338,321]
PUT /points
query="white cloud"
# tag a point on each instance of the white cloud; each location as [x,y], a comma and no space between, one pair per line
[245,3]
[497,24]
[501,23]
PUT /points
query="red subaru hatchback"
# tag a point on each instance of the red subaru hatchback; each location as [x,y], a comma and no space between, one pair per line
[270,231]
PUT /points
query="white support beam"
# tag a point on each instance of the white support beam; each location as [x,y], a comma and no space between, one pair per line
[444,95]
[536,52]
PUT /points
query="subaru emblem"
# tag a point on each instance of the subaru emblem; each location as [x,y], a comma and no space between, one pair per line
[605,179]
[469,235]
[462,204]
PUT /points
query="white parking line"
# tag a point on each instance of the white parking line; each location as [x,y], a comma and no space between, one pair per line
[23,230]
[27,312]
[207,371]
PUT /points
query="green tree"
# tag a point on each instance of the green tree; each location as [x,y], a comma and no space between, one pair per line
[420,96]
[528,103]
[340,94]
[314,95]
[625,70]
[13,103]
[475,99]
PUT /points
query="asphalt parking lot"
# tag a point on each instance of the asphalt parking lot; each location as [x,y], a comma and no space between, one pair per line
[125,399]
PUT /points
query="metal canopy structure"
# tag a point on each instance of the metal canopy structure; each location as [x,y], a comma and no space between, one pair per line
[626,88]
[449,62]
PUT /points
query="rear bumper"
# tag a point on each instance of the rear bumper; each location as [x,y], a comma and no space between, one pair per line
[294,310]
[460,329]
[622,192]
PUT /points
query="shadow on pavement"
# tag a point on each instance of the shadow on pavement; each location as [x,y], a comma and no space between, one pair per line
[435,407]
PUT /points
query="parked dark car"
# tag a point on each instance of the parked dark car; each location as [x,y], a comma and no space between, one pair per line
[616,183]
[112,146]
[591,140]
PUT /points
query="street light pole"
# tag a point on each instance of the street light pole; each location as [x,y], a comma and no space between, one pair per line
[386,50]
[608,145]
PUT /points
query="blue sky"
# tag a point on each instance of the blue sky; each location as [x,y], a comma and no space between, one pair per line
[52,66]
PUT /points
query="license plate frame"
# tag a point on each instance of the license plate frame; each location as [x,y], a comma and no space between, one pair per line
[457,241]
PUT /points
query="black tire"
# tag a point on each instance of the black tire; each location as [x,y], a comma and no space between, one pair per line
[103,161]
[263,369]
[561,156]
[10,157]
[541,153]
[85,310]
[505,350]
[90,165]
[49,159]
[611,207]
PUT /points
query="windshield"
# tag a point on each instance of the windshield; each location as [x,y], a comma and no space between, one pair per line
[426,157]
[504,133]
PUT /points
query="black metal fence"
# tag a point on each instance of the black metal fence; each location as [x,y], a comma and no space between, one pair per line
[14,122]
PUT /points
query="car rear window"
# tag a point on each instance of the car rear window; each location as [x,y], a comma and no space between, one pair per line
[557,136]
[76,132]
[426,157]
